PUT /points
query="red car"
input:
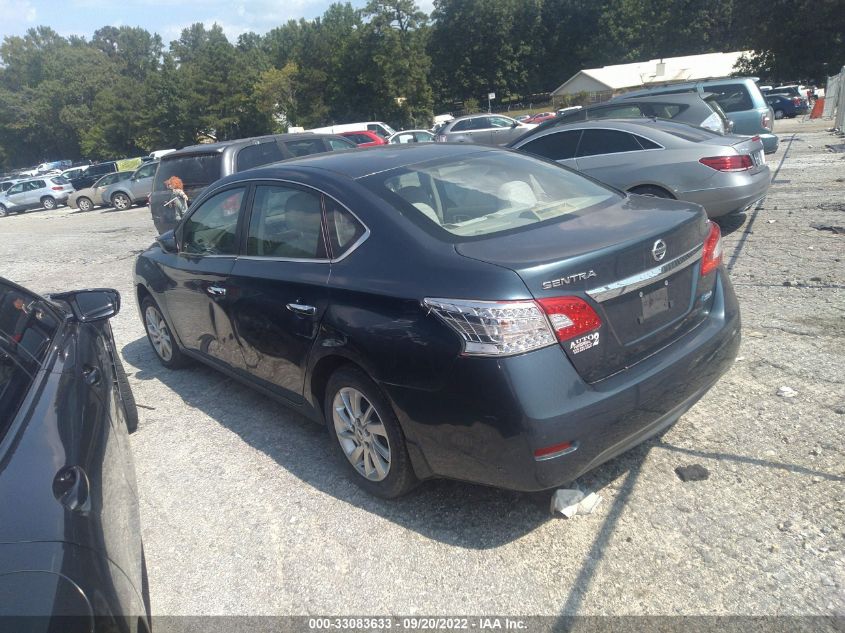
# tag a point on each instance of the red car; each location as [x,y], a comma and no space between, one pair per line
[540,117]
[364,138]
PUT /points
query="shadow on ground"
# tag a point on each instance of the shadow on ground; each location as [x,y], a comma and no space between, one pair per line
[456,513]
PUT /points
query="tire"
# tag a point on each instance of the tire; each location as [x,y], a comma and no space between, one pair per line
[651,190]
[382,466]
[3,211]
[84,204]
[121,201]
[129,406]
[49,203]
[161,338]
[778,114]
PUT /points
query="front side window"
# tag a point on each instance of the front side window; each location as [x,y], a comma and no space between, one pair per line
[557,146]
[500,121]
[286,223]
[147,171]
[212,228]
[482,194]
[595,142]
[259,154]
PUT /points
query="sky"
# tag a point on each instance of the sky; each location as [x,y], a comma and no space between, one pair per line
[165,17]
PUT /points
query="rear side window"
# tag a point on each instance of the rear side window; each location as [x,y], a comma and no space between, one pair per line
[359,138]
[306,146]
[646,143]
[259,154]
[212,228]
[195,172]
[286,223]
[618,112]
[732,97]
[462,126]
[557,146]
[344,229]
[663,110]
[336,144]
[595,142]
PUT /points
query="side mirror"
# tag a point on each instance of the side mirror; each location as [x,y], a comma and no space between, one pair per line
[96,304]
[167,241]
[515,124]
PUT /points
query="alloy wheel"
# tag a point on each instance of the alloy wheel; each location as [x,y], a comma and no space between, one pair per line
[159,333]
[84,204]
[120,201]
[49,203]
[361,434]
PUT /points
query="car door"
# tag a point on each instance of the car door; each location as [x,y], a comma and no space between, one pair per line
[141,182]
[557,146]
[199,273]
[503,130]
[15,197]
[32,193]
[279,285]
[607,155]
[466,131]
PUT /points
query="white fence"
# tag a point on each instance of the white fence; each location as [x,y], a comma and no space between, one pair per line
[834,100]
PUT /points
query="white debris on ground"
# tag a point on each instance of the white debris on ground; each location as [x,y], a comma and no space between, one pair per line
[570,501]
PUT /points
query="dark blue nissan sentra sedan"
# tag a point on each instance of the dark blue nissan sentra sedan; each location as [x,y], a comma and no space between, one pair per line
[448,311]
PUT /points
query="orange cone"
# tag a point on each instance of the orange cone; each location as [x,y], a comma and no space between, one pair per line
[818,107]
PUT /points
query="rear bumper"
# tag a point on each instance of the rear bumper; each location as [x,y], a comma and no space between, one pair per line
[720,201]
[770,142]
[485,425]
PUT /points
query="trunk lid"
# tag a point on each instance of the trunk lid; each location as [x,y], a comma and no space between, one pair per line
[606,257]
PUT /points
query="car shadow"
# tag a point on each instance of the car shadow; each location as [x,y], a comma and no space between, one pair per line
[731,222]
[456,513]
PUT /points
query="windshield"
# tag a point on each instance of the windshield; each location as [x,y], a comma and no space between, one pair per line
[27,326]
[487,193]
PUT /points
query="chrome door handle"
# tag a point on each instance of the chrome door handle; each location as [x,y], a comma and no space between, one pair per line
[302,309]
[216,291]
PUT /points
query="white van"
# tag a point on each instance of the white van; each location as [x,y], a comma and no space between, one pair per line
[382,129]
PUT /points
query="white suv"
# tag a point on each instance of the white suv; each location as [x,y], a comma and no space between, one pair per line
[35,193]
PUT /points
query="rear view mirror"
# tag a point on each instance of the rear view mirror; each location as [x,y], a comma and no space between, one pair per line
[96,304]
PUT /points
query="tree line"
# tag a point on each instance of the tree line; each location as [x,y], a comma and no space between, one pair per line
[123,92]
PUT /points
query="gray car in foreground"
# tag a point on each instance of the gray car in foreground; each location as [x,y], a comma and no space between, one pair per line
[484,129]
[722,173]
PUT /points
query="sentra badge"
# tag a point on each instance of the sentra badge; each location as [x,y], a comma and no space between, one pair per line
[557,283]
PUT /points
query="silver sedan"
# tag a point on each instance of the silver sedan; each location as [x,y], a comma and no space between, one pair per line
[722,173]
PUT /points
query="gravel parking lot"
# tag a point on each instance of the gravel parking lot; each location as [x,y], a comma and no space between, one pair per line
[245,511]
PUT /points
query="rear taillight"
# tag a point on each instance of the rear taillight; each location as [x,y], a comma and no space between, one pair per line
[503,328]
[796,101]
[766,121]
[495,328]
[728,163]
[711,255]
[755,139]
[570,316]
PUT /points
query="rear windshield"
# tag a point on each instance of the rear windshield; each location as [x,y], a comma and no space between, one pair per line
[197,171]
[60,180]
[732,97]
[27,327]
[487,193]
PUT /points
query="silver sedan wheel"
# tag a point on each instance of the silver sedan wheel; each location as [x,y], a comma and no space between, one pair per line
[361,434]
[159,333]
